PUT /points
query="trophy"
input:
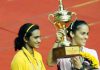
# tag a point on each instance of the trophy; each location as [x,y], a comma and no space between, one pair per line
[59,19]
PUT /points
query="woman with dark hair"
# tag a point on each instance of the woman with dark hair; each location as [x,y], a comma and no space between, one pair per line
[77,33]
[27,58]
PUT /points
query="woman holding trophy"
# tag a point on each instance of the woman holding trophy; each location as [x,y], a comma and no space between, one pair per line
[77,32]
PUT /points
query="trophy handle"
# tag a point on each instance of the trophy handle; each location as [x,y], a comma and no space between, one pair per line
[51,18]
[74,14]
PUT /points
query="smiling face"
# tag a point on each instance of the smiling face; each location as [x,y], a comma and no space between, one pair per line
[34,39]
[81,35]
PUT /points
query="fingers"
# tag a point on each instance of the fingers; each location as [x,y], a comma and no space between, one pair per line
[60,34]
[62,31]
[76,62]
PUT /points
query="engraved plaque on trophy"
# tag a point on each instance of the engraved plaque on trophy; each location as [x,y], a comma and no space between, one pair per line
[66,52]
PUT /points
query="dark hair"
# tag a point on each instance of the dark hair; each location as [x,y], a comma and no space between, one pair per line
[24,33]
[74,26]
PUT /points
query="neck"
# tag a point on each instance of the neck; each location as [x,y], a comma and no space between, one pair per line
[29,49]
[73,43]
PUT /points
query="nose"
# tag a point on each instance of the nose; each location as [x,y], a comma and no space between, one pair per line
[86,37]
[39,40]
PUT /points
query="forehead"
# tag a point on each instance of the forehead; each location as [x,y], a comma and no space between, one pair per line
[84,28]
[36,32]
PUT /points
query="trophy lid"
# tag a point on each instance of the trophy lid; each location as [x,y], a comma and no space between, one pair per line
[62,15]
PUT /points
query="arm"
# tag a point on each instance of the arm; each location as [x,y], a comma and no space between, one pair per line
[60,35]
[50,60]
[50,56]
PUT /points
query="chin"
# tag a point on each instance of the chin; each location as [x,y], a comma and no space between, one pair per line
[83,45]
[37,47]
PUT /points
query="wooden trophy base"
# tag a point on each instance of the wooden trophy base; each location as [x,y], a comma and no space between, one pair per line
[65,52]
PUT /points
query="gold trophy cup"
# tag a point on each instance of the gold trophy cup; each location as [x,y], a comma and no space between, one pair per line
[59,19]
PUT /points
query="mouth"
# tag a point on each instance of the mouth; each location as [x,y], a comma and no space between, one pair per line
[84,42]
[37,44]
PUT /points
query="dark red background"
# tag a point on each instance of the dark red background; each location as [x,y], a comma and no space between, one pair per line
[14,13]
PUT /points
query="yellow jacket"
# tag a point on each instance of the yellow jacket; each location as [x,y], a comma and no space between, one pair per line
[23,60]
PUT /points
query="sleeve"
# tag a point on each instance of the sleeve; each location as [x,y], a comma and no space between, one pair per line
[92,52]
[95,54]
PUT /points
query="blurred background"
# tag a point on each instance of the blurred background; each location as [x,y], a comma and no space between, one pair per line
[14,13]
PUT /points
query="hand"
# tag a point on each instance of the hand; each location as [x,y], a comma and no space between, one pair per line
[76,62]
[60,35]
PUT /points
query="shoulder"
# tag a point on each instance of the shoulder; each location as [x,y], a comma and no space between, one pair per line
[18,60]
[91,51]
[18,54]
[18,57]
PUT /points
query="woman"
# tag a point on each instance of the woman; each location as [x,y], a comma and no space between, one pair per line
[77,32]
[27,58]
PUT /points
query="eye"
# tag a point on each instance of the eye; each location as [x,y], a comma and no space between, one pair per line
[37,37]
[88,33]
[84,33]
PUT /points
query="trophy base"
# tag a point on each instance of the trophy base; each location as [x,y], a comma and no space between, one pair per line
[66,52]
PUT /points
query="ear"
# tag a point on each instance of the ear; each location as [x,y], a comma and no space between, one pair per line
[25,40]
[71,34]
